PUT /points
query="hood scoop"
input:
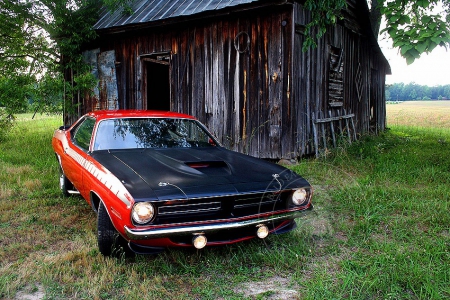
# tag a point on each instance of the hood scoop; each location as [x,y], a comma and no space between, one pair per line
[213,168]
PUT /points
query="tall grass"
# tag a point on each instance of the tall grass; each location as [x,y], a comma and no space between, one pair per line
[380,230]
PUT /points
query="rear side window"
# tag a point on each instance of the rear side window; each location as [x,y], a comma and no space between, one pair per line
[83,134]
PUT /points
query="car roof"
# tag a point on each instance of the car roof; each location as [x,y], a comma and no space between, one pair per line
[131,113]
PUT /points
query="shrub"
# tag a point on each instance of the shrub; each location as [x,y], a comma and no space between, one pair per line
[6,122]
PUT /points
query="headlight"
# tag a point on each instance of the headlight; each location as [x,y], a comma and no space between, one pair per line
[300,196]
[143,212]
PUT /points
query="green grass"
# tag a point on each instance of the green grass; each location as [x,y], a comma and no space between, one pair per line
[380,230]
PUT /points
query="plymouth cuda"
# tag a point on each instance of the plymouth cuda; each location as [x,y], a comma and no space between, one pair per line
[161,179]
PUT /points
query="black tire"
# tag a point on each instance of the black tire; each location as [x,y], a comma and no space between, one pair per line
[65,185]
[110,243]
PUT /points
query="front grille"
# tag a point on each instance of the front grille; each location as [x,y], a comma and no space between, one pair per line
[258,203]
[189,208]
[208,209]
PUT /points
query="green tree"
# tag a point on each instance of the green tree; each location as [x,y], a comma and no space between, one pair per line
[40,52]
[41,40]
[395,91]
[413,91]
[413,25]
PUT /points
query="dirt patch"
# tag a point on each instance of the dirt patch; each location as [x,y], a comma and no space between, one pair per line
[272,288]
[35,292]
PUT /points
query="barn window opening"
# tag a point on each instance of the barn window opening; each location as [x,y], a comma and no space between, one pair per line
[336,77]
[157,88]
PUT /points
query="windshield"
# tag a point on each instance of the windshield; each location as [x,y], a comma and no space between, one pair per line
[129,133]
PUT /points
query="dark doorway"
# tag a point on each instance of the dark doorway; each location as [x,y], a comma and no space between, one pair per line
[372,101]
[157,87]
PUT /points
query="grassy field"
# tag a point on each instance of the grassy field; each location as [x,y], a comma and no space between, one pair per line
[421,114]
[380,229]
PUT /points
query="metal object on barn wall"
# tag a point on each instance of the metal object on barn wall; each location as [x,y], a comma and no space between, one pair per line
[242,42]
[92,100]
[103,67]
[109,98]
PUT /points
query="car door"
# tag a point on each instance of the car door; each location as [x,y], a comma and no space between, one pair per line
[80,140]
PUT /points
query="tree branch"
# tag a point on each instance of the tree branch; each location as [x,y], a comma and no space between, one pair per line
[375,16]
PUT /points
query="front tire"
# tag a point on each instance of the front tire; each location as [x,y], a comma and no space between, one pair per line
[109,240]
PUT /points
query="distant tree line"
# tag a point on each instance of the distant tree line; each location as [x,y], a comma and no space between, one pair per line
[414,91]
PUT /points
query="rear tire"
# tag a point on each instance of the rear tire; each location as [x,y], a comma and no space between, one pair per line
[65,185]
[110,243]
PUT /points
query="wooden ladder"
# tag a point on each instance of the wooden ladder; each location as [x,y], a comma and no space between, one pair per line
[319,128]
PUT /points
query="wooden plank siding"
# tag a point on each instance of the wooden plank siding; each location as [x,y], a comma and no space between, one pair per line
[312,67]
[260,97]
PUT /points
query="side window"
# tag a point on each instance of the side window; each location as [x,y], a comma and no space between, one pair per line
[83,134]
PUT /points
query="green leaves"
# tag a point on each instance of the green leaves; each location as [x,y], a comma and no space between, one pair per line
[323,13]
[413,25]
[414,28]
[39,40]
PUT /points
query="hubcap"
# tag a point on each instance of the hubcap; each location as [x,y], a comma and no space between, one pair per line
[61,181]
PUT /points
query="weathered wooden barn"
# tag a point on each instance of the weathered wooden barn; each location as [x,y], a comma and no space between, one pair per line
[238,66]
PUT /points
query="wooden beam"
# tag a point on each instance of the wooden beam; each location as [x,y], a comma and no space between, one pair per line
[331,119]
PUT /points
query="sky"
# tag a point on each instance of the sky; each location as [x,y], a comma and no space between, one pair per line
[430,69]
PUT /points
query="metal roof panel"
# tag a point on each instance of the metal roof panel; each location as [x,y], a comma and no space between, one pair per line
[153,10]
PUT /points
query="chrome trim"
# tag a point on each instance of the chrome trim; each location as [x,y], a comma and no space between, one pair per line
[233,195]
[238,206]
[73,192]
[188,208]
[186,229]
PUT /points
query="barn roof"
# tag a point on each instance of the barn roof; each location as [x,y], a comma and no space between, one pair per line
[165,11]
[145,11]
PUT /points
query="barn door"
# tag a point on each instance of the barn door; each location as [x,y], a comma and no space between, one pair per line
[156,82]
[373,100]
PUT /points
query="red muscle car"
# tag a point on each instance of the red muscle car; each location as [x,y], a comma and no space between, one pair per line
[160,179]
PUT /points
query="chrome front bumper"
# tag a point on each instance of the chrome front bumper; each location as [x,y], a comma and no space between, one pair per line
[183,229]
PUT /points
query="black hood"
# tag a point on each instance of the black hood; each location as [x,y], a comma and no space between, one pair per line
[177,173]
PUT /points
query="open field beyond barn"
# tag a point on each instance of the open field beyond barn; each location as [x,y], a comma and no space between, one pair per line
[380,229]
[421,114]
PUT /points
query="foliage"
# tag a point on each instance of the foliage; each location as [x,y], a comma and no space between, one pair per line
[40,49]
[14,93]
[48,94]
[323,14]
[5,123]
[413,26]
[413,91]
[24,43]
[115,5]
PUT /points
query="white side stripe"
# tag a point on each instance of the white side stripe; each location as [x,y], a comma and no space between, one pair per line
[101,174]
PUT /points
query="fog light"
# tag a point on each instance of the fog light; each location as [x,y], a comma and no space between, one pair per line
[199,241]
[262,231]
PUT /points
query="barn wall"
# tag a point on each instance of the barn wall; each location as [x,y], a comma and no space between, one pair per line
[260,97]
[240,90]
[363,77]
